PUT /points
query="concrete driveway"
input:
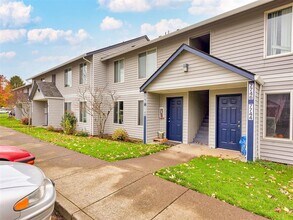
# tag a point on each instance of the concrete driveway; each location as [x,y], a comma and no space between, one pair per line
[89,188]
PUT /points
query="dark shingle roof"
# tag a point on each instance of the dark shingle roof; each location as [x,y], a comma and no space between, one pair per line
[48,89]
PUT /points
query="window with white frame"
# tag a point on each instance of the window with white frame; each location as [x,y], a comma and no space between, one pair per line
[279,31]
[82,73]
[119,71]
[140,112]
[68,77]
[147,62]
[82,111]
[67,107]
[278,115]
[118,112]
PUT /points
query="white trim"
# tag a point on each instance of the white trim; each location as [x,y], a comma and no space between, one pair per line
[145,51]
[201,35]
[265,56]
[140,100]
[290,139]
[117,123]
[71,77]
[86,76]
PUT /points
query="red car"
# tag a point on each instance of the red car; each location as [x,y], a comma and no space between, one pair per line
[14,154]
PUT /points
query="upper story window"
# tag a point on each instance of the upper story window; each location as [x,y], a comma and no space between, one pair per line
[82,73]
[119,71]
[279,31]
[147,62]
[68,77]
[54,78]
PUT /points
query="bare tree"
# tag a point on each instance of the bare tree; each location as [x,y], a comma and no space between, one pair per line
[99,102]
[21,101]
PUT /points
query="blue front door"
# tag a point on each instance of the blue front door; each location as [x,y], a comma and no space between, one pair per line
[229,122]
[174,119]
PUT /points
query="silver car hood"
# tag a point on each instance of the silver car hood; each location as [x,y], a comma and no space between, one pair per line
[14,175]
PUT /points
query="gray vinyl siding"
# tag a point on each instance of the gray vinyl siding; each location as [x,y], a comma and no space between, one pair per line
[103,75]
[152,125]
[55,112]
[241,42]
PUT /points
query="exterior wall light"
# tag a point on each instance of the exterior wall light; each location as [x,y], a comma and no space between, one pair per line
[185,67]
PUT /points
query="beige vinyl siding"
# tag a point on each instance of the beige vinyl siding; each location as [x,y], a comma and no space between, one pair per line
[152,125]
[213,111]
[201,73]
[38,112]
[55,112]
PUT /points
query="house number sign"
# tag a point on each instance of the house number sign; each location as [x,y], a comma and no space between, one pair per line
[250,112]
[251,91]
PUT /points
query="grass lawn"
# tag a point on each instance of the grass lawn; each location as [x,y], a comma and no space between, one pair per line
[100,148]
[264,188]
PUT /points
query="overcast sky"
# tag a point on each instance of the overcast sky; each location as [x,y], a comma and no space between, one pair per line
[38,34]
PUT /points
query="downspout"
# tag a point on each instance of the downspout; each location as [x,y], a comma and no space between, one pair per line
[260,81]
[259,118]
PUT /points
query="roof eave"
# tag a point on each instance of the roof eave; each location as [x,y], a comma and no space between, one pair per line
[197,25]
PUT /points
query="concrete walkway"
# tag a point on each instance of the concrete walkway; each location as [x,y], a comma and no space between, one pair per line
[89,188]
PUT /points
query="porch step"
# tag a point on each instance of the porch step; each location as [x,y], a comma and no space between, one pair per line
[202,136]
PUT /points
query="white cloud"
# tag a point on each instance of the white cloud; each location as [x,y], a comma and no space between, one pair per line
[8,55]
[126,5]
[51,35]
[162,27]
[11,35]
[110,23]
[45,59]
[212,7]
[14,14]
[138,5]
[35,52]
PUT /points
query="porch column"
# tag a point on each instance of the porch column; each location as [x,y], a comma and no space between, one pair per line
[250,120]
[145,118]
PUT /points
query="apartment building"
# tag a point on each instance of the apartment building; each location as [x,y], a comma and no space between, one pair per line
[213,82]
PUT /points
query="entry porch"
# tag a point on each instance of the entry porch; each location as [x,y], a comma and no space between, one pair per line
[197,98]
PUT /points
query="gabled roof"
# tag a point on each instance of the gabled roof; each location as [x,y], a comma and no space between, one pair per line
[203,55]
[48,89]
[216,18]
[91,53]
[22,87]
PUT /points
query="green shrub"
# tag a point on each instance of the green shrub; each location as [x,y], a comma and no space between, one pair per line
[68,123]
[82,134]
[120,135]
[24,121]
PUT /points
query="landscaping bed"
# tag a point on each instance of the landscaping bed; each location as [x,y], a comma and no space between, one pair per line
[264,188]
[96,147]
